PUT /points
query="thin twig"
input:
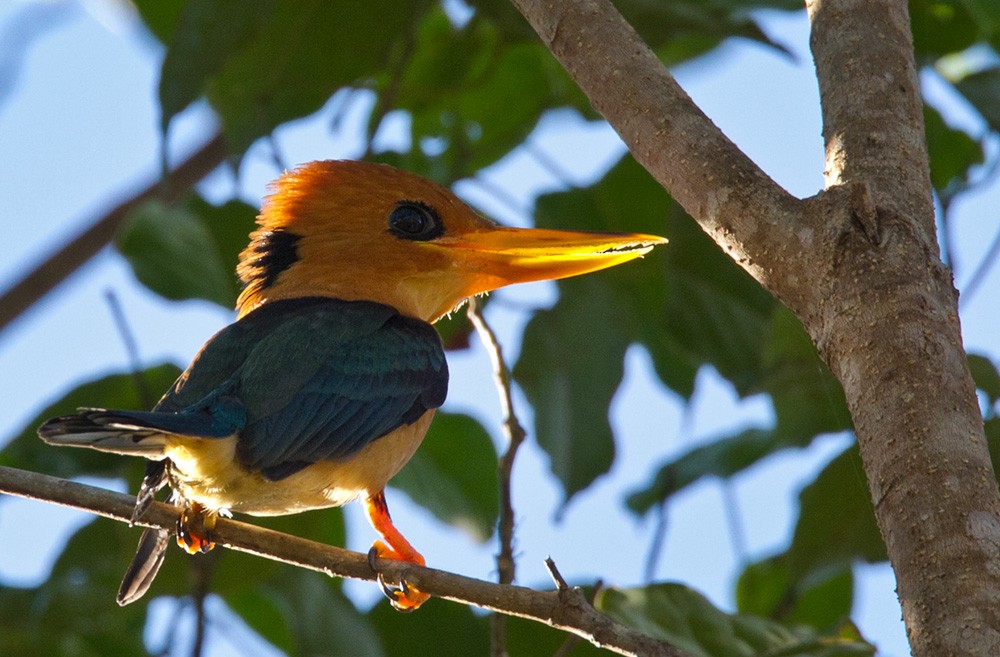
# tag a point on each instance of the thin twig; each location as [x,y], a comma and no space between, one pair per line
[542,606]
[515,434]
[146,399]
[982,269]
[556,576]
[734,520]
[203,568]
[57,267]
[549,163]
[659,538]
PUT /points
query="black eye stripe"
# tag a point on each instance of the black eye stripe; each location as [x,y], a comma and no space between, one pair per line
[414,220]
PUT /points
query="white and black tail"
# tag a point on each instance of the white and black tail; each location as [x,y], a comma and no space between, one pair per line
[131,433]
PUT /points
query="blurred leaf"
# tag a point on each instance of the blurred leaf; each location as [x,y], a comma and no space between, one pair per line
[526,638]
[316,618]
[112,391]
[161,17]
[451,85]
[982,89]
[685,618]
[307,50]
[721,458]
[686,302]
[811,582]
[681,30]
[941,27]
[73,613]
[824,602]
[952,152]
[570,384]
[439,628]
[454,475]
[985,375]
[808,401]
[836,524]
[189,251]
[264,614]
[230,572]
[156,239]
[208,33]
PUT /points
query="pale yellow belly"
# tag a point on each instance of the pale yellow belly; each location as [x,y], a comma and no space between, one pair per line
[205,471]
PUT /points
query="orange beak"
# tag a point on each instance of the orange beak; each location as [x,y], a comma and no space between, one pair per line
[502,256]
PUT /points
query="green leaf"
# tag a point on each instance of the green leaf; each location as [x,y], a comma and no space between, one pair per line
[823,602]
[570,383]
[681,30]
[982,90]
[721,458]
[687,619]
[451,85]
[836,524]
[190,251]
[808,401]
[208,33]
[160,16]
[438,628]
[307,50]
[952,152]
[317,617]
[985,375]
[454,475]
[941,27]
[687,303]
[112,391]
[73,613]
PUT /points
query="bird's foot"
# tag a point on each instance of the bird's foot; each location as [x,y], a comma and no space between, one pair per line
[402,596]
[196,529]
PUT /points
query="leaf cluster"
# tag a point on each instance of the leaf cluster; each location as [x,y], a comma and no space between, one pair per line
[471,84]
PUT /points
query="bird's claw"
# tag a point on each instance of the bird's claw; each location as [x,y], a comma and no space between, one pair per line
[195,530]
[401,595]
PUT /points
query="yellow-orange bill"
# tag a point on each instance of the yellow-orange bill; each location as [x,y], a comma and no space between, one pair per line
[502,256]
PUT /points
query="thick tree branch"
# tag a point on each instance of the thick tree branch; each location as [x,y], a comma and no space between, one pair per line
[858,264]
[747,213]
[889,329]
[558,609]
[39,281]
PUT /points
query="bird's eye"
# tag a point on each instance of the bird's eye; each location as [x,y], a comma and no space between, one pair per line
[413,220]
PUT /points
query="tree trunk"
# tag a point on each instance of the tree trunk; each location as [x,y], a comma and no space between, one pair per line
[858,264]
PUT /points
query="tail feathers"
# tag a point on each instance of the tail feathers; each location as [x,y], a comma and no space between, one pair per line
[142,433]
[107,431]
[145,564]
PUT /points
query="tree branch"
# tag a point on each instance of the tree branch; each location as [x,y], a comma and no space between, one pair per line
[553,608]
[858,264]
[745,211]
[38,282]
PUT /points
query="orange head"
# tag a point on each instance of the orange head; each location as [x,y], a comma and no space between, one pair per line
[356,230]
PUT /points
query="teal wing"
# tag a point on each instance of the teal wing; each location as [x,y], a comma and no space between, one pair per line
[310,398]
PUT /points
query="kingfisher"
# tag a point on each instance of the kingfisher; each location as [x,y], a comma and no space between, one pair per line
[324,386]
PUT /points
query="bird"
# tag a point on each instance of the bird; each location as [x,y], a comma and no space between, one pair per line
[325,384]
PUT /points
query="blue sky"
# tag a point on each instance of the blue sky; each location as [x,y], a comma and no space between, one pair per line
[78,130]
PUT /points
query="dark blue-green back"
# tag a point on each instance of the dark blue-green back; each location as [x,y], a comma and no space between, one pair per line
[308,379]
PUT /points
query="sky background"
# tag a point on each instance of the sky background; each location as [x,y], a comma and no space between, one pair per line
[78,131]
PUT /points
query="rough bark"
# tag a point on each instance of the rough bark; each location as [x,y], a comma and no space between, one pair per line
[858,263]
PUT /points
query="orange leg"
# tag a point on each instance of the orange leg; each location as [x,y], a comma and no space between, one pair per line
[403,597]
[195,529]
